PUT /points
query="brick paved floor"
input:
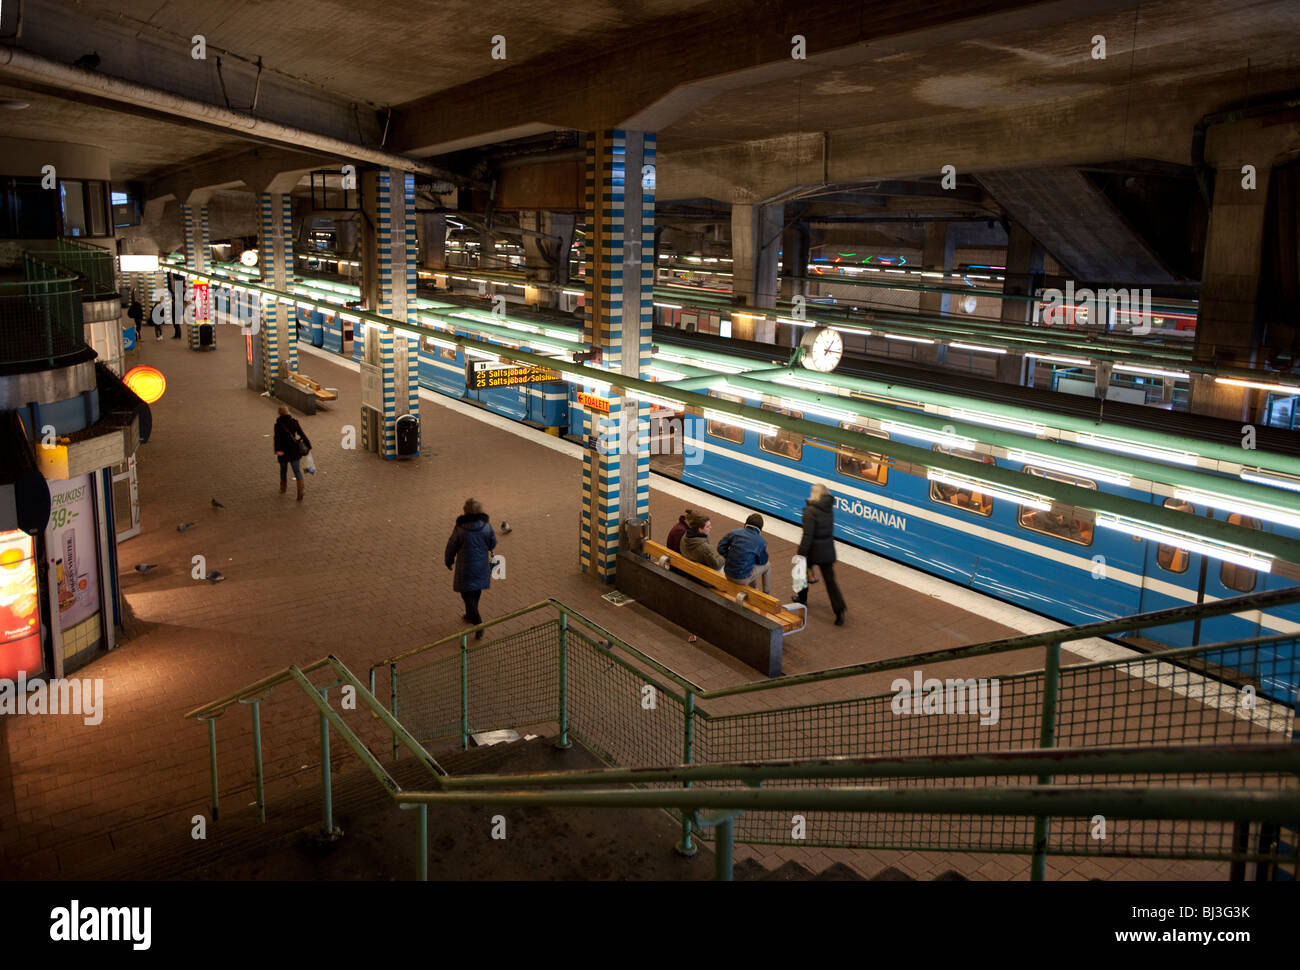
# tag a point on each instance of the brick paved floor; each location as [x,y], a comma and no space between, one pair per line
[356,570]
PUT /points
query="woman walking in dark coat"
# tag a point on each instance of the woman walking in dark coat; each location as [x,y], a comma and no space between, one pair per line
[818,546]
[288,432]
[470,550]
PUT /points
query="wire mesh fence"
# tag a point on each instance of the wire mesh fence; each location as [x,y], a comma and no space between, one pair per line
[631,714]
[40,319]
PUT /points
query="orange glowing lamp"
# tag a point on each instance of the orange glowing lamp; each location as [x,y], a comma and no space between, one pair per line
[148,383]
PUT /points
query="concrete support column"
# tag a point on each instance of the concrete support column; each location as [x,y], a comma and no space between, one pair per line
[388,280]
[276,346]
[619,319]
[937,255]
[433,240]
[1022,277]
[546,242]
[755,242]
[198,237]
[796,251]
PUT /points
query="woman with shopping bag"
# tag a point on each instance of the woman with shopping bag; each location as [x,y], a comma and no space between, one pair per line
[291,446]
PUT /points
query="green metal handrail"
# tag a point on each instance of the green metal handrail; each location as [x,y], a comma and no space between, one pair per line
[40,317]
[707,806]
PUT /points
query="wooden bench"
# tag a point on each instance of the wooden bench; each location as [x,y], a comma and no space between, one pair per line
[307,384]
[746,596]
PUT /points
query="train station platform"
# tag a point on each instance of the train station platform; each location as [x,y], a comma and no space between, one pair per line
[355,570]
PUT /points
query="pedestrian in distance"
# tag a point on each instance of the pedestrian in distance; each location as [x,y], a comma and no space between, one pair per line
[695,544]
[136,313]
[745,554]
[291,444]
[469,551]
[677,531]
[817,546]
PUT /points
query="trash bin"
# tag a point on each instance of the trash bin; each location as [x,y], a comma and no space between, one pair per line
[207,335]
[635,533]
[408,436]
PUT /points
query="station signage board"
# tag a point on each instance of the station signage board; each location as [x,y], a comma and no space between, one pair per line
[593,403]
[481,375]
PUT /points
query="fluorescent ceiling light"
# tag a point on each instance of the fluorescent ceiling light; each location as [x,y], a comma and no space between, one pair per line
[986,350]
[142,263]
[664,374]
[572,292]
[481,354]
[975,485]
[995,421]
[860,330]
[586,381]
[1229,504]
[662,402]
[1215,550]
[740,391]
[797,323]
[748,316]
[1053,359]
[438,342]
[1274,479]
[1142,451]
[1069,468]
[938,437]
[828,412]
[1153,371]
[722,417]
[1235,382]
[910,340]
[797,381]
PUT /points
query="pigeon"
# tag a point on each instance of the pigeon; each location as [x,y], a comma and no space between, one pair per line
[183,526]
[87,61]
[217,505]
[214,577]
[505,527]
[144,567]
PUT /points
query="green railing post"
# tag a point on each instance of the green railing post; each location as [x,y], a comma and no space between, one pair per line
[1046,739]
[563,743]
[464,692]
[422,830]
[212,763]
[687,846]
[329,832]
[392,701]
[257,758]
[723,849]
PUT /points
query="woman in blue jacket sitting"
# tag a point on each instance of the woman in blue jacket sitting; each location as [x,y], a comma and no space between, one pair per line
[470,550]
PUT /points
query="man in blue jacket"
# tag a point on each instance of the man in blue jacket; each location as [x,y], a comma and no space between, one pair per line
[746,554]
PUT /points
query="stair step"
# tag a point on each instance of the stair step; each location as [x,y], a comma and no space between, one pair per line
[890,874]
[950,875]
[788,872]
[748,870]
[838,872]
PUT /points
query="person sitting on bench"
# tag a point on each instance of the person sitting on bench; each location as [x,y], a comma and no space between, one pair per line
[695,544]
[746,554]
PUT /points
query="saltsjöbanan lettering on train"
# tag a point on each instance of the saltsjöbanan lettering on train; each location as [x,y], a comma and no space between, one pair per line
[865,511]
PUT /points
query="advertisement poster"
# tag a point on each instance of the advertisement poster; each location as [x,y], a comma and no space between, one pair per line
[202,303]
[73,551]
[20,640]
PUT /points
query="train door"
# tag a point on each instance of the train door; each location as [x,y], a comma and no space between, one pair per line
[1172,578]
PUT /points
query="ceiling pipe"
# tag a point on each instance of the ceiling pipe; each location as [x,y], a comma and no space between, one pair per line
[33,68]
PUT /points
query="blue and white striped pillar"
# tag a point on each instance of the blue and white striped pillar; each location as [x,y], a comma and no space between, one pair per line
[275,337]
[198,239]
[389,288]
[618,251]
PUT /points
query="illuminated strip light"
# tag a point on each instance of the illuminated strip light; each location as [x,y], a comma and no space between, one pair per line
[662,402]
[722,417]
[473,280]
[664,374]
[796,323]
[602,386]
[1142,451]
[1053,359]
[827,412]
[438,342]
[910,340]
[481,354]
[937,437]
[994,421]
[740,391]
[560,334]
[986,350]
[1239,555]
[1152,371]
[1068,468]
[748,316]
[1274,479]
[1228,504]
[573,292]
[1275,388]
[993,491]
[796,381]
[865,333]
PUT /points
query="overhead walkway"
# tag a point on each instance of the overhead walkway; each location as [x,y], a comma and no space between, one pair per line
[1157,757]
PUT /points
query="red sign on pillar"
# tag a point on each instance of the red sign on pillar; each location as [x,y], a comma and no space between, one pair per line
[202,304]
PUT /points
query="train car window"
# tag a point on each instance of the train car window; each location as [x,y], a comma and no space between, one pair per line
[1233,576]
[1056,523]
[971,501]
[1172,558]
[866,465]
[727,432]
[447,353]
[787,444]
